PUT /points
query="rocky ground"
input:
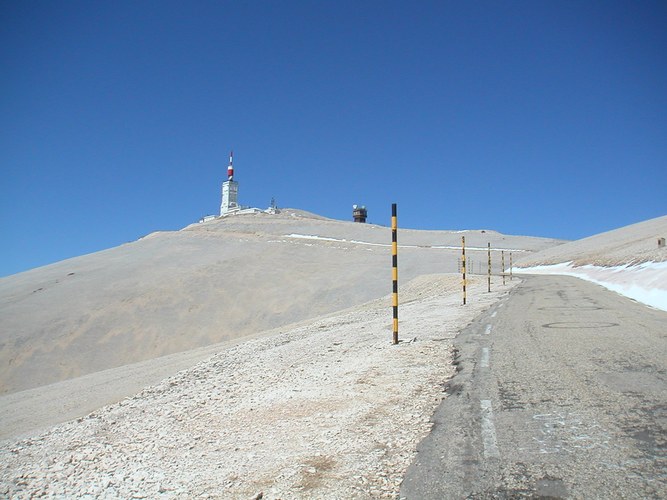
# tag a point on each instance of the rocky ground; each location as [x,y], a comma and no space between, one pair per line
[220,281]
[328,409]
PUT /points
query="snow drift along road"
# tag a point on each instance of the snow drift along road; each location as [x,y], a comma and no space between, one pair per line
[627,260]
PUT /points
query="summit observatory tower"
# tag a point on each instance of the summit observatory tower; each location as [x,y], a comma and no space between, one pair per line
[230,190]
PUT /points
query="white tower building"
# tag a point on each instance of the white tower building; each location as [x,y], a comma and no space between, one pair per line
[230,190]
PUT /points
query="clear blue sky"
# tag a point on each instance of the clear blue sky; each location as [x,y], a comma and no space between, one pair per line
[544,118]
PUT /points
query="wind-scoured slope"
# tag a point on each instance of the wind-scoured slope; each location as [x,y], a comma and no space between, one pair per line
[633,244]
[224,279]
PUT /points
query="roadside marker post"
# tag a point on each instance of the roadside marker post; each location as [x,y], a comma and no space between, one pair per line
[502,265]
[511,277]
[394,272]
[463,266]
[489,255]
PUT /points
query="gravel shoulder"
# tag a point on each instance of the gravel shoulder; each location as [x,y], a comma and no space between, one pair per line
[327,408]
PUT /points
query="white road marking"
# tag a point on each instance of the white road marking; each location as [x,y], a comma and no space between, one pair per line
[484,362]
[487,330]
[489,430]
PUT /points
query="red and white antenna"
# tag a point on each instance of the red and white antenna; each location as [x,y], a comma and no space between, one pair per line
[230,168]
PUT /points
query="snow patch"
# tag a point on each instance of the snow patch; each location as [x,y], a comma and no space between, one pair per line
[438,247]
[458,247]
[339,240]
[646,283]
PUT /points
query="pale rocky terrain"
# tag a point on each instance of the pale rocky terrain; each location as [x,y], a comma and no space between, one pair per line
[212,282]
[298,392]
[326,409]
[629,245]
[242,357]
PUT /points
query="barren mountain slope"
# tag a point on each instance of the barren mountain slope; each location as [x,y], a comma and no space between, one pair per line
[226,278]
[631,244]
[327,409]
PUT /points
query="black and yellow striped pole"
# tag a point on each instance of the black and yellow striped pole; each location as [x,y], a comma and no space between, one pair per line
[463,266]
[394,270]
[489,255]
[502,265]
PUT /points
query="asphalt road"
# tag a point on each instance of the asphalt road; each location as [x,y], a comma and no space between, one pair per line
[561,393]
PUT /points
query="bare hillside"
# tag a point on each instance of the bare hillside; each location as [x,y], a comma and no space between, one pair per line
[223,279]
[328,409]
[633,244]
